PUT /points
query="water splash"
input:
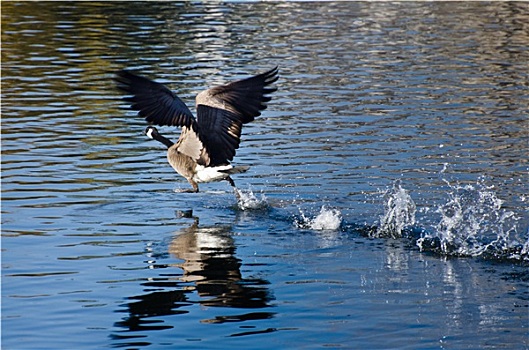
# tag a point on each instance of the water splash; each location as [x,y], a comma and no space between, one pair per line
[474,223]
[399,212]
[247,200]
[327,219]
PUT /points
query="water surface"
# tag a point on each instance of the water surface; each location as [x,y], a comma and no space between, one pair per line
[385,207]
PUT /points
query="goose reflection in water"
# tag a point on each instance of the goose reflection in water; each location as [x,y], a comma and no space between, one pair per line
[210,262]
[211,269]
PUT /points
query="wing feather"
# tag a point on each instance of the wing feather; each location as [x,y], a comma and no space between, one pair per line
[222,110]
[190,144]
[154,101]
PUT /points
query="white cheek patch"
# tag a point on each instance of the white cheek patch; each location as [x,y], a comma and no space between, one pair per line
[149,133]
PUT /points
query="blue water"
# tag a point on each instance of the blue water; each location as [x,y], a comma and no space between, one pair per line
[385,206]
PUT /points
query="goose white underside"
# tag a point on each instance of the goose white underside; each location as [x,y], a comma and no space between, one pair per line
[218,173]
[210,174]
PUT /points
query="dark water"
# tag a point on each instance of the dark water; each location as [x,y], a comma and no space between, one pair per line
[386,205]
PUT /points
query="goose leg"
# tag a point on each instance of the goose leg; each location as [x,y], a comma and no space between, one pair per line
[235,190]
[194,184]
[230,180]
[195,187]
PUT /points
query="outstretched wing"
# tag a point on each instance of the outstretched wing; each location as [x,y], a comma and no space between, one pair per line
[153,101]
[222,110]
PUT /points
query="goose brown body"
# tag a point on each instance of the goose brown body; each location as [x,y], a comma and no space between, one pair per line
[208,143]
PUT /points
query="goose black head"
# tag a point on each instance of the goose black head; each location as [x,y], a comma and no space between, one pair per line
[150,131]
[153,134]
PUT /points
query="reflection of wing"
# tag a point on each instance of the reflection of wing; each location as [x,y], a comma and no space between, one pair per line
[222,110]
[155,102]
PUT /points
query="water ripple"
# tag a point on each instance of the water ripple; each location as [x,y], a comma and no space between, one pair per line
[396,139]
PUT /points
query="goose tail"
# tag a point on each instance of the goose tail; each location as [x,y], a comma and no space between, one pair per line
[236,170]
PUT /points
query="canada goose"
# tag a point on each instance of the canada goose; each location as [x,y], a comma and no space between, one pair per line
[206,144]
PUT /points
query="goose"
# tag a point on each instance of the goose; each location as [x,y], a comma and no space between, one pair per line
[207,144]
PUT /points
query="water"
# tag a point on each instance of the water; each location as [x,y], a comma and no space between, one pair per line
[385,206]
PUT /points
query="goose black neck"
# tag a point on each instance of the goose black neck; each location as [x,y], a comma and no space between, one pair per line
[162,139]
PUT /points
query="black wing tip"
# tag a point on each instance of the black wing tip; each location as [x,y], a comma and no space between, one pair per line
[123,74]
[271,75]
[127,77]
[273,71]
[124,79]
